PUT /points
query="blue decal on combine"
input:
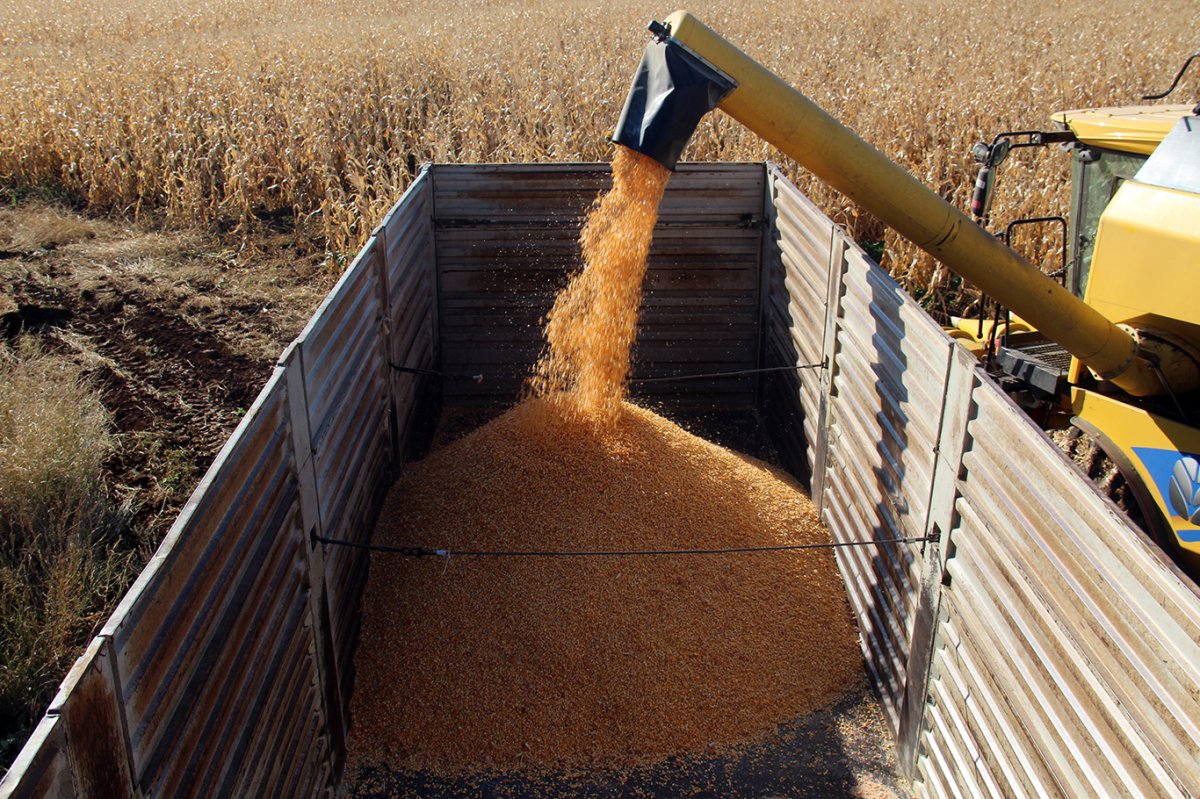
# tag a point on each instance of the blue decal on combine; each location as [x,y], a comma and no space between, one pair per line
[1177,477]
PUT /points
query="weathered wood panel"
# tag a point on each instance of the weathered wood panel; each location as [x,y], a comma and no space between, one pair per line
[507,240]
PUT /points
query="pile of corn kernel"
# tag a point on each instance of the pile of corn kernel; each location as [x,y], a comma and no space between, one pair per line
[485,663]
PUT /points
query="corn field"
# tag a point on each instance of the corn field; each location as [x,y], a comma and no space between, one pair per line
[224,112]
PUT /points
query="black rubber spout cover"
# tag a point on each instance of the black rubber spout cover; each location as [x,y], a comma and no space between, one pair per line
[672,90]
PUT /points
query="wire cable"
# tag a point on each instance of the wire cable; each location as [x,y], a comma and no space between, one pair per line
[423,552]
[739,372]
[670,378]
[412,370]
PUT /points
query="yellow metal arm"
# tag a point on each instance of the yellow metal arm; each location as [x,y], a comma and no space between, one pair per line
[797,126]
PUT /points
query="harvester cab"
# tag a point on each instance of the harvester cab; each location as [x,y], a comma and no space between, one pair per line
[1122,316]
[1108,146]
[1129,245]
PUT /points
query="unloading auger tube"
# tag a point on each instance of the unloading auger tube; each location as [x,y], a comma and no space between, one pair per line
[689,69]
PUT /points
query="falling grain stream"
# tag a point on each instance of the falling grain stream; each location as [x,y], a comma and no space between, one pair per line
[501,664]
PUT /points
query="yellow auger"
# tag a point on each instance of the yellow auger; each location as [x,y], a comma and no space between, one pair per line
[689,69]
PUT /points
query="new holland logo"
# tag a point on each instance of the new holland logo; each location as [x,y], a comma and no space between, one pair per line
[1177,477]
[1185,489]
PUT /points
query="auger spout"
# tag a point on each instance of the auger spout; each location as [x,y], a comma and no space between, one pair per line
[671,92]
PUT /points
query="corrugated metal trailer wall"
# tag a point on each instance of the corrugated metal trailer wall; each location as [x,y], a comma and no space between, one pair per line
[227,668]
[1067,658]
[1040,647]
[508,236]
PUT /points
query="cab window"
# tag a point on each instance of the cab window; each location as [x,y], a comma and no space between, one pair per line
[1095,175]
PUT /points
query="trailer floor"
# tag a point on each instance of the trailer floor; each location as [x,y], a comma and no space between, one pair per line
[844,751]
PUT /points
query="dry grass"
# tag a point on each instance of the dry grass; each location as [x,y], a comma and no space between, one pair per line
[229,111]
[46,233]
[60,568]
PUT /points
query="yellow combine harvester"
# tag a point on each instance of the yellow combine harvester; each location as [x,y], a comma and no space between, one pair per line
[1131,256]
[1128,315]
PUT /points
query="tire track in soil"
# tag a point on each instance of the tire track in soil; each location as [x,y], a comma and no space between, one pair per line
[177,382]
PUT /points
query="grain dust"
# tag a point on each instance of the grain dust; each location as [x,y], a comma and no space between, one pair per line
[472,664]
[591,328]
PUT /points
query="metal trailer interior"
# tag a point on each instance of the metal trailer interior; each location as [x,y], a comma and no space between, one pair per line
[1037,647]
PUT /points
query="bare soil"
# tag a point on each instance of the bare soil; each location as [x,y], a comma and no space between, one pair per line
[177,329]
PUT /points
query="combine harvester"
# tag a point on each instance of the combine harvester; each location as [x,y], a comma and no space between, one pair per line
[1032,642]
